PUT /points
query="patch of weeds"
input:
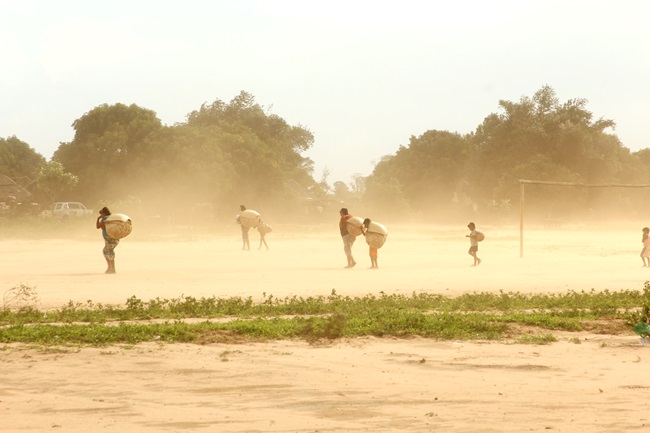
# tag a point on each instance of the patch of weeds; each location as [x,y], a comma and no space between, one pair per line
[224,355]
[536,339]
[56,349]
[19,305]
[323,328]
[319,319]
[575,340]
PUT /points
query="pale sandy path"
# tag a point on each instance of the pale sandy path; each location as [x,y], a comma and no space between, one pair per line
[367,385]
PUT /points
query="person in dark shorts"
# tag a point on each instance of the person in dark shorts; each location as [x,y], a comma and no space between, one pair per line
[473,242]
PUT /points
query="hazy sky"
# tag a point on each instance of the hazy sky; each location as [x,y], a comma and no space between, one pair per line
[363,76]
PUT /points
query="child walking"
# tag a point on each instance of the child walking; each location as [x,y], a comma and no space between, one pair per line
[473,242]
[263,228]
[373,251]
[645,252]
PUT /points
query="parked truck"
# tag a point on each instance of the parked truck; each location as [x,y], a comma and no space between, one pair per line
[68,209]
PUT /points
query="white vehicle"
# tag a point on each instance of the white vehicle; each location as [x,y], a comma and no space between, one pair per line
[66,209]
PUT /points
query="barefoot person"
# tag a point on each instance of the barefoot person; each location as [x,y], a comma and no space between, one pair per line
[109,242]
[263,228]
[244,231]
[645,252]
[374,239]
[348,239]
[473,242]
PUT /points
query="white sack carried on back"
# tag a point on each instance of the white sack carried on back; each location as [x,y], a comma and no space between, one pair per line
[354,225]
[118,225]
[376,235]
[249,218]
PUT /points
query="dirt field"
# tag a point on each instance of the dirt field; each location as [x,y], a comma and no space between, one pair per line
[361,385]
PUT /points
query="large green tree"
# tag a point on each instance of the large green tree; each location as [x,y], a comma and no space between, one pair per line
[53,181]
[426,175]
[225,153]
[107,139]
[542,139]
[262,148]
[17,159]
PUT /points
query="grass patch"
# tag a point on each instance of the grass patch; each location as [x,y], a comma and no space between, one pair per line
[472,316]
[536,339]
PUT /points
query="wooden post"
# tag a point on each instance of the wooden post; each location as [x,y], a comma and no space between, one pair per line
[521,218]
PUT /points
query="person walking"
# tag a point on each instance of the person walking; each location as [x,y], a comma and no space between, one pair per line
[372,251]
[246,244]
[645,252]
[473,241]
[263,228]
[348,239]
[109,242]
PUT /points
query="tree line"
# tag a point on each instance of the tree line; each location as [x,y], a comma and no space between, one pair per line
[225,154]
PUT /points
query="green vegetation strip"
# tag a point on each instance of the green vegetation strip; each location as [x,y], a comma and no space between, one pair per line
[469,316]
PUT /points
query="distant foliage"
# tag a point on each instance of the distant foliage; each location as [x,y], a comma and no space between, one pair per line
[228,153]
[225,153]
[17,159]
[536,138]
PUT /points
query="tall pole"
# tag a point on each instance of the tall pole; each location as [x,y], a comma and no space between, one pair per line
[521,218]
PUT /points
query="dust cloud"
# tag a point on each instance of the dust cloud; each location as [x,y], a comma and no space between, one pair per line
[410,385]
[309,261]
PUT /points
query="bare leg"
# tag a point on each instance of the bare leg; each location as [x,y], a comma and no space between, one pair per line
[111,267]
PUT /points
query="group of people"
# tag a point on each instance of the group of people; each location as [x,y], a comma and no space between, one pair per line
[348,239]
[262,227]
[475,236]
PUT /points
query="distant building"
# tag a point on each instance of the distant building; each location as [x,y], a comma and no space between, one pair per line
[12,192]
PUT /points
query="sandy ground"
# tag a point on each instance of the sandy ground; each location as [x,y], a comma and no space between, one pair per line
[374,385]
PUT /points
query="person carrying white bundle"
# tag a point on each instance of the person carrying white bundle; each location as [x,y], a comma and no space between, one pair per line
[263,228]
[375,234]
[247,219]
[109,242]
[348,238]
[475,236]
